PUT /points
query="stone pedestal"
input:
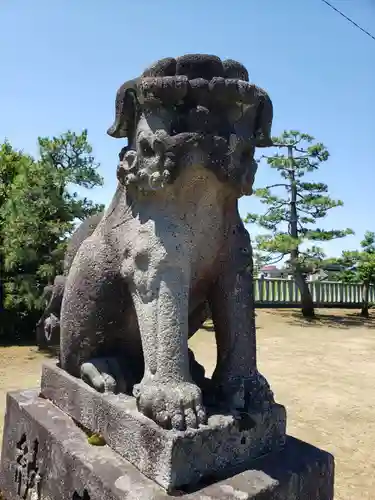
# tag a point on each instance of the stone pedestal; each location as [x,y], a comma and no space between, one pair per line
[171,458]
[46,455]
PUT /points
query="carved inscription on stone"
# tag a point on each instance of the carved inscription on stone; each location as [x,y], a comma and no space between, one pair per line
[27,477]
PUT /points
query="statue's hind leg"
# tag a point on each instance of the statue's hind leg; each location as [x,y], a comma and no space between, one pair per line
[93,315]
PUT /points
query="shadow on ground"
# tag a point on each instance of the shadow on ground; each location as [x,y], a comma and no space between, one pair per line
[51,352]
[326,319]
[209,327]
[16,342]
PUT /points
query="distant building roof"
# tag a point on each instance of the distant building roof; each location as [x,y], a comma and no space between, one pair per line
[270,268]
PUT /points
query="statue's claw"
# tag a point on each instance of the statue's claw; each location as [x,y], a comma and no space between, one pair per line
[175,406]
[104,375]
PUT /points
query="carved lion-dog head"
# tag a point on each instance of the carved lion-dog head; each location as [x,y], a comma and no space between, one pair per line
[194,106]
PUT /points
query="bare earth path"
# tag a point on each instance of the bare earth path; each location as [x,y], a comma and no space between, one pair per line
[324,373]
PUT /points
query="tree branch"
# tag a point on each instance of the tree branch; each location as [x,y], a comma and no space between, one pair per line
[306,211]
[276,260]
[277,185]
[274,207]
[279,259]
[301,196]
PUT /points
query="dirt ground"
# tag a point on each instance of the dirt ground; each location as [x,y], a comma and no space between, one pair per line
[322,371]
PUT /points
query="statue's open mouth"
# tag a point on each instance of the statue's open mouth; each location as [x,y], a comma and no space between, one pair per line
[231,159]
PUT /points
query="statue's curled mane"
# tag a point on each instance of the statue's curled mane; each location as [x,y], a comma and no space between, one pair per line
[200,101]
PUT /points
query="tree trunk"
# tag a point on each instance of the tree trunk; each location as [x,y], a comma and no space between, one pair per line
[307,304]
[365,297]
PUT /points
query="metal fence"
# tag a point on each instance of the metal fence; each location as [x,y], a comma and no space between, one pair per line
[284,293]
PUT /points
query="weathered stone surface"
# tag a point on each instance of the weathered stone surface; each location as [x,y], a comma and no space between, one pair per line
[171,458]
[170,242]
[48,457]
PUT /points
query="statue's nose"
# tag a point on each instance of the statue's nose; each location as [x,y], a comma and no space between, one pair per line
[153,145]
[158,146]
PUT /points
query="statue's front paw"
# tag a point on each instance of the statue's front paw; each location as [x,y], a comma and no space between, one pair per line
[171,405]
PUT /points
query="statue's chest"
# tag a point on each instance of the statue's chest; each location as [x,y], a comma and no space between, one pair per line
[186,239]
[205,229]
[185,227]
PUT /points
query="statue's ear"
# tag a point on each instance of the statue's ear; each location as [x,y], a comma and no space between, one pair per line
[126,111]
[263,122]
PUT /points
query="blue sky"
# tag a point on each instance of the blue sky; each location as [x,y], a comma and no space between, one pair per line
[63,61]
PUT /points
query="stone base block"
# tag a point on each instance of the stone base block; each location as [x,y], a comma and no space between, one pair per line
[46,456]
[171,458]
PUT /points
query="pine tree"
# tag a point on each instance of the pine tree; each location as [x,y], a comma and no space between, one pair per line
[294,208]
[359,267]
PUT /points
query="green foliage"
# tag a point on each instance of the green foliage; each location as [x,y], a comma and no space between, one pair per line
[294,206]
[359,265]
[39,206]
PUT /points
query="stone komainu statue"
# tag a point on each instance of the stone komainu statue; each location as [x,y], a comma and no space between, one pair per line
[48,326]
[170,242]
